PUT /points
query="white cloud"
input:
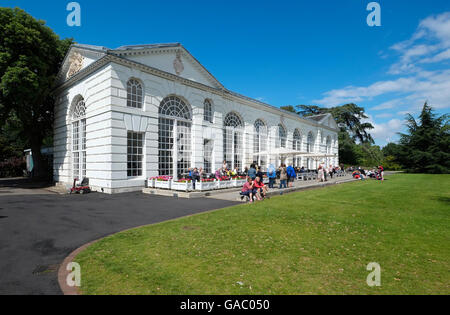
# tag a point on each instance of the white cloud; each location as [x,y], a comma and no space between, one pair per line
[437,58]
[429,44]
[386,132]
[389,104]
[385,115]
[414,85]
[420,75]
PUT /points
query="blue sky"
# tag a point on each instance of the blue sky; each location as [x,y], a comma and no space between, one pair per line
[289,52]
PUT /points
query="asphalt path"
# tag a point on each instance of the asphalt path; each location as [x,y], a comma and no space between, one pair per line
[37,231]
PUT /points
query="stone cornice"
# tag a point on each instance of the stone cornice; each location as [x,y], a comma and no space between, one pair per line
[172,77]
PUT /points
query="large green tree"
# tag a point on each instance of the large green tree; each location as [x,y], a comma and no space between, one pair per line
[353,128]
[30,57]
[425,148]
[350,117]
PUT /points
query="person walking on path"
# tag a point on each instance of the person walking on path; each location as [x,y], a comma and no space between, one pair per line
[283,176]
[272,175]
[320,174]
[291,175]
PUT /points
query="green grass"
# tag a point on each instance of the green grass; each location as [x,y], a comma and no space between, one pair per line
[311,242]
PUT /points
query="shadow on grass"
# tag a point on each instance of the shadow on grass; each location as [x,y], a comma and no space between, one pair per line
[443,199]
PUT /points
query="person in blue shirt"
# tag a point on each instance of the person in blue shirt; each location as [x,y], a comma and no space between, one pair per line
[291,175]
[252,172]
[271,174]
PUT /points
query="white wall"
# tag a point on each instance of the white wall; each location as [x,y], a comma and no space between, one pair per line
[109,119]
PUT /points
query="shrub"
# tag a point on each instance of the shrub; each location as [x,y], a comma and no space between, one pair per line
[12,167]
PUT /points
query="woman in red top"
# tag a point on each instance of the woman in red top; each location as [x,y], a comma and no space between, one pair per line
[260,188]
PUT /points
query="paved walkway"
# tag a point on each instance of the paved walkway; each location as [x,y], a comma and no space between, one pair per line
[298,185]
[38,231]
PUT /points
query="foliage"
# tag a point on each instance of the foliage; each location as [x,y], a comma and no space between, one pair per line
[12,167]
[349,117]
[311,242]
[12,140]
[30,57]
[426,146]
[289,108]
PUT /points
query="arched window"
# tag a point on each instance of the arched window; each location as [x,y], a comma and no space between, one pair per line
[174,106]
[79,111]
[282,137]
[297,141]
[78,116]
[207,111]
[233,120]
[175,120]
[233,140]
[134,94]
[260,143]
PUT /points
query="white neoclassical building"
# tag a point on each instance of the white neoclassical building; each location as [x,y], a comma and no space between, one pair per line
[124,115]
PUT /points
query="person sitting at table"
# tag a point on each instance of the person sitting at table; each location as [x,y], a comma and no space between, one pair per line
[202,173]
[218,173]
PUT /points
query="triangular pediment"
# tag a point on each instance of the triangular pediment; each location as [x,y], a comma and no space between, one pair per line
[324,119]
[170,58]
[329,121]
[78,58]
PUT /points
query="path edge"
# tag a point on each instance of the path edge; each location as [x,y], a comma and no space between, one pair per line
[63,273]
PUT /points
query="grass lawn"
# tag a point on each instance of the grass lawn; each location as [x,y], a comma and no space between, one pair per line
[311,242]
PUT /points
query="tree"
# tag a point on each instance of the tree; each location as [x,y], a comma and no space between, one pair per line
[30,57]
[426,146]
[289,108]
[310,110]
[392,149]
[12,140]
[350,117]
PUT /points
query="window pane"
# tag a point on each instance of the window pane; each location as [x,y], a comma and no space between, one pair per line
[135,154]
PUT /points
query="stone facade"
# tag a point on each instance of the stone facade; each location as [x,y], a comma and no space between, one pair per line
[94,144]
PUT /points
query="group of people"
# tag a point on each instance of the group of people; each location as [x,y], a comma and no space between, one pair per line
[324,171]
[375,173]
[254,187]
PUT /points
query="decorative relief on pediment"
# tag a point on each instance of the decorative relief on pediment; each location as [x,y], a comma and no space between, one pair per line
[76,64]
[178,63]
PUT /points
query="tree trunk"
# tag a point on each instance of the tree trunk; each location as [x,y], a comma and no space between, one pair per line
[40,168]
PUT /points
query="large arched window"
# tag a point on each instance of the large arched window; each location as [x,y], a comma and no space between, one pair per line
[175,120]
[297,146]
[233,140]
[134,94]
[260,143]
[78,117]
[282,137]
[297,140]
[207,111]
